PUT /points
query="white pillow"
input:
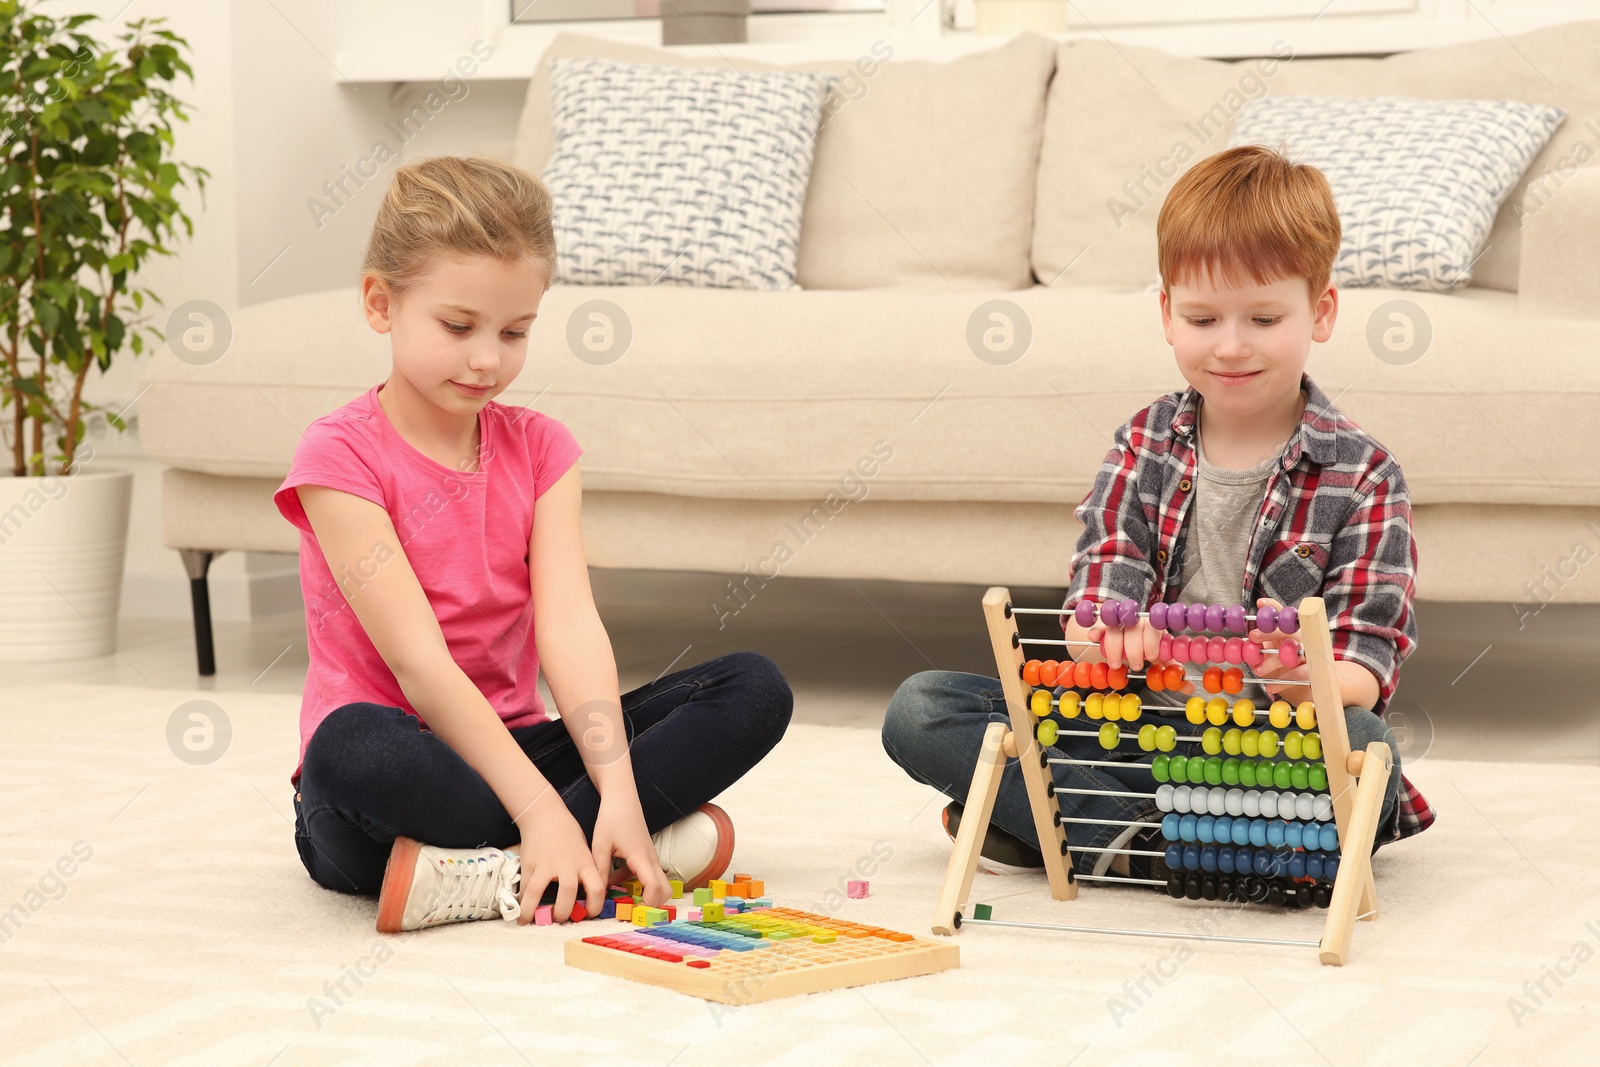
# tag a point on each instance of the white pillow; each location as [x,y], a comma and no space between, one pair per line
[1417,182]
[668,175]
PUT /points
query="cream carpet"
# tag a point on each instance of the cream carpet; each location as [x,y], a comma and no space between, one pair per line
[158,914]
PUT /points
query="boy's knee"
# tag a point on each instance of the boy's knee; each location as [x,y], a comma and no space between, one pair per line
[910,707]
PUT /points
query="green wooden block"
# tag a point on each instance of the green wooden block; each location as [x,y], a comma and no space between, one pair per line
[702,897]
[981,911]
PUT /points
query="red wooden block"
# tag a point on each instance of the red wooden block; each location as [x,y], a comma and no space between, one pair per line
[702,964]
[672,912]
[579,912]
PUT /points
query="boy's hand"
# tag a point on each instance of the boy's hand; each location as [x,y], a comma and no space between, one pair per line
[1137,646]
[1293,683]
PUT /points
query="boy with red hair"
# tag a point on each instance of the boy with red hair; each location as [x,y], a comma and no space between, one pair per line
[1248,487]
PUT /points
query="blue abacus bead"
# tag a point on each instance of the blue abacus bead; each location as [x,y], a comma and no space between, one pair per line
[1174,857]
[1275,833]
[1291,835]
[1241,833]
[1297,865]
[1223,829]
[1258,832]
[1205,829]
[1084,613]
[1314,865]
[1328,837]
[1267,619]
[1186,828]
[1158,615]
[1330,867]
[1225,859]
[1234,618]
[1260,863]
[1169,826]
[1191,857]
[1208,859]
[1216,616]
[1278,864]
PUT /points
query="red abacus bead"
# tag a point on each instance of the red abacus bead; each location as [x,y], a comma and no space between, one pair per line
[1232,680]
[1100,674]
[1166,647]
[1174,676]
[1253,654]
[1081,675]
[1233,650]
[1030,672]
[1180,649]
[1289,653]
[1217,650]
[1047,673]
[1212,679]
[1118,677]
[1154,678]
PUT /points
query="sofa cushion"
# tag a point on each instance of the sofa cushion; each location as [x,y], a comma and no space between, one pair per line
[1123,122]
[1417,182]
[902,147]
[680,175]
[743,394]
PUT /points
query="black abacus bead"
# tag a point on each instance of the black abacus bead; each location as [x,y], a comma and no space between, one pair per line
[1253,889]
[1323,894]
[1225,888]
[1275,895]
[1191,887]
[1208,888]
[1303,895]
[1175,885]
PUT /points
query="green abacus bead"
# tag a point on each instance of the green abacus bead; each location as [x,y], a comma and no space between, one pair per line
[1268,744]
[1300,776]
[1047,732]
[1292,742]
[1282,775]
[1232,742]
[1178,768]
[1213,773]
[1197,771]
[1166,738]
[1158,768]
[1318,777]
[1211,741]
[1147,737]
[1230,772]
[1250,743]
[1312,747]
[1110,734]
[1247,773]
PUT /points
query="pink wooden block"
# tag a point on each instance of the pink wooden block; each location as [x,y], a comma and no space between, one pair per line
[542,916]
[692,914]
[856,889]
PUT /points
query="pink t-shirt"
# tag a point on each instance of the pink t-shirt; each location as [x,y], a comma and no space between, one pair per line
[465,534]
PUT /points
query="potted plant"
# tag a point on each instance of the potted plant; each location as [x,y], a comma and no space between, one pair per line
[87,195]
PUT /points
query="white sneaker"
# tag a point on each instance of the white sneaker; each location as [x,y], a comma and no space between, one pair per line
[425,885]
[696,848]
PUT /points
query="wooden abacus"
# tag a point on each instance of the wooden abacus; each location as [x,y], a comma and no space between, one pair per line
[1269,868]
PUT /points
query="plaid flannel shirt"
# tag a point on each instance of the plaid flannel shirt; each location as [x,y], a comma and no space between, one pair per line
[1335,523]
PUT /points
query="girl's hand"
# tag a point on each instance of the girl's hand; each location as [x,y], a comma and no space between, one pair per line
[620,830]
[553,849]
[1137,645]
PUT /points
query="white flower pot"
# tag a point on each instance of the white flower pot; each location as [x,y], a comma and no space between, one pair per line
[62,545]
[1016,16]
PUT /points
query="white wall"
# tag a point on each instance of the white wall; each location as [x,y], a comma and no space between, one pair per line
[289,94]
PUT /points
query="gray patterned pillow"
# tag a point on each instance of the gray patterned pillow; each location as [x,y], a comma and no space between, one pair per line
[680,175]
[1418,182]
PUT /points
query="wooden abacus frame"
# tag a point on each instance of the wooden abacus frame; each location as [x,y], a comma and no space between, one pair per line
[1355,806]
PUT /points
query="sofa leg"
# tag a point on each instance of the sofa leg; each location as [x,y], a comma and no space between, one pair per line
[197,561]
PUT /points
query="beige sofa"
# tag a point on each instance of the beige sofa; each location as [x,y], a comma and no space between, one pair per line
[847,428]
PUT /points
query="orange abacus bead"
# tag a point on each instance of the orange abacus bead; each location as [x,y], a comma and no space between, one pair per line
[1154,679]
[1030,672]
[1047,673]
[1212,679]
[1100,674]
[1232,680]
[1081,675]
[1173,676]
[1119,677]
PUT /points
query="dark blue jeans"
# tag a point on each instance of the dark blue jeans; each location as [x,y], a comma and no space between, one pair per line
[934,729]
[371,773]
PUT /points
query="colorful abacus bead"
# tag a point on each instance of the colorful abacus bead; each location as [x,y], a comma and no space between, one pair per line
[1289,653]
[1048,671]
[1158,616]
[1083,614]
[1173,676]
[1234,619]
[1267,619]
[1288,620]
[1030,673]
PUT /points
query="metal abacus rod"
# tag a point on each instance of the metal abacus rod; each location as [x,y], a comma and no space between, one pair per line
[1142,933]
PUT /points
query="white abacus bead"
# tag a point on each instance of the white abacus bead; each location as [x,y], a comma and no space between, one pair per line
[1164,796]
[1305,806]
[1217,802]
[1180,798]
[1323,807]
[1252,803]
[1199,799]
[1269,804]
[1235,802]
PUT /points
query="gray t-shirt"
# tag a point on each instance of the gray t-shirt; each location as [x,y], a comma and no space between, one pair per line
[1222,518]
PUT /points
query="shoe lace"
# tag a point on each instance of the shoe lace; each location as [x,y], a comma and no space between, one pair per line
[476,887]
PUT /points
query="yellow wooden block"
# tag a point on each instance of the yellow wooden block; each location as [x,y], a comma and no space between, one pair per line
[711,913]
[719,888]
[641,916]
[677,888]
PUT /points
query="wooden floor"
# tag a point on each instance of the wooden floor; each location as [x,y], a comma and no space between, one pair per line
[1478,687]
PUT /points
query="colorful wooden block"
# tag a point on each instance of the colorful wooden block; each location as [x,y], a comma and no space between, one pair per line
[693,915]
[981,911]
[758,888]
[761,902]
[579,912]
[702,897]
[713,912]
[719,888]
[677,888]
[609,909]
[672,912]
[856,889]
[542,915]
[641,916]
[741,878]
[623,910]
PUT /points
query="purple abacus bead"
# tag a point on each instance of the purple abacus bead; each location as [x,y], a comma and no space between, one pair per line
[1130,612]
[1196,620]
[1215,615]
[1267,619]
[1252,654]
[1111,614]
[1289,620]
[1084,613]
[1158,616]
[1233,650]
[1235,619]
